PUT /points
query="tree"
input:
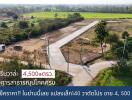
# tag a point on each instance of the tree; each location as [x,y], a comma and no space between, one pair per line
[10,14]
[56,15]
[23,24]
[112,38]
[122,54]
[125,35]
[15,16]
[32,25]
[119,51]
[77,14]
[32,17]
[3,24]
[129,46]
[101,33]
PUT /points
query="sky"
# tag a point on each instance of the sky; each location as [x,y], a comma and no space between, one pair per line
[65,1]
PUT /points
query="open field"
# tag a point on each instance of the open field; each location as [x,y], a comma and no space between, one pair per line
[86,15]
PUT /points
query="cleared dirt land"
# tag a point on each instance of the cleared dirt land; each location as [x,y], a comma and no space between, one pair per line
[120,27]
[90,50]
[82,43]
[35,49]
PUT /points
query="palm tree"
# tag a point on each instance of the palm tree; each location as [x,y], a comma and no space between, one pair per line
[68,57]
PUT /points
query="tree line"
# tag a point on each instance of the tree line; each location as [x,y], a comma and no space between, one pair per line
[19,9]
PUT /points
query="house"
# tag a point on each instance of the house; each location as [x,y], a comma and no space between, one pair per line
[2,47]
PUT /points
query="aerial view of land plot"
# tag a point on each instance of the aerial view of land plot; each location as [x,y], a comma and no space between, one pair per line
[86,45]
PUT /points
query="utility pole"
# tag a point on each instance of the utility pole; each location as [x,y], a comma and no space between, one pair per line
[81,50]
[48,52]
[68,51]
[124,47]
[45,53]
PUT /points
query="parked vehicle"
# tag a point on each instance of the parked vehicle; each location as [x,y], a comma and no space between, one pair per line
[2,47]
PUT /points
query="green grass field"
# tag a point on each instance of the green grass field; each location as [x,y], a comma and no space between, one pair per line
[86,15]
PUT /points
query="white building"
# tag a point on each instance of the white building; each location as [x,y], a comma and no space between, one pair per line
[2,47]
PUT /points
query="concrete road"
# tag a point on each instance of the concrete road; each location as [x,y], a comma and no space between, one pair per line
[82,75]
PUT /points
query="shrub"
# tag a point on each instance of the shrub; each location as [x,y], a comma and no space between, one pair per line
[116,45]
[119,53]
[112,38]
[129,46]
[36,32]
[61,78]
[109,56]
[23,24]
[3,24]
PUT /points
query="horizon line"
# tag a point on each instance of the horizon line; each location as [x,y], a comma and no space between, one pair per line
[57,4]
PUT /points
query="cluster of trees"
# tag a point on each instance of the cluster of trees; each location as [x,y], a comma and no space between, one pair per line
[3,25]
[54,24]
[12,14]
[93,8]
[8,36]
[24,29]
[119,49]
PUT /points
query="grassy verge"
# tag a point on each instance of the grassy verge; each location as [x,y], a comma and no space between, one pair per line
[108,78]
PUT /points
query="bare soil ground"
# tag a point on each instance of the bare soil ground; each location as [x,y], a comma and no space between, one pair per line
[34,49]
[90,52]
[120,27]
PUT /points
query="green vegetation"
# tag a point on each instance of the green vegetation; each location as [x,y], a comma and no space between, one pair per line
[125,35]
[121,73]
[108,78]
[24,29]
[23,24]
[86,15]
[101,33]
[3,24]
[65,8]
[61,78]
